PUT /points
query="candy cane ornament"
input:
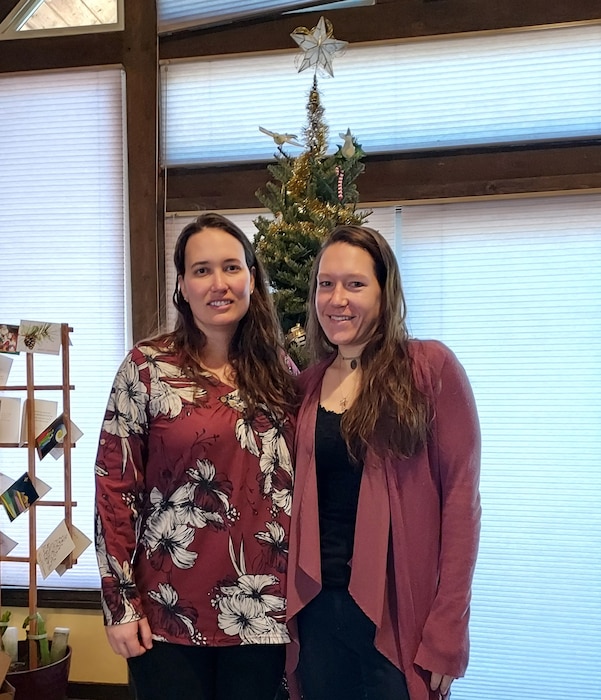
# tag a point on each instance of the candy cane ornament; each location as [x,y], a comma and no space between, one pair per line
[340,174]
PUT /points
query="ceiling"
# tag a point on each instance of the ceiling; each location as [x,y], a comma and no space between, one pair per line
[53,14]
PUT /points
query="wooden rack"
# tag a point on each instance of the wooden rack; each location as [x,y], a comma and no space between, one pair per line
[67,503]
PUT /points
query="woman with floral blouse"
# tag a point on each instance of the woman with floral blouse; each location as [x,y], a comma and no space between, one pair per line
[194,482]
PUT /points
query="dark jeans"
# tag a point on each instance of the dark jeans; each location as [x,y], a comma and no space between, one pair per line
[338,659]
[178,672]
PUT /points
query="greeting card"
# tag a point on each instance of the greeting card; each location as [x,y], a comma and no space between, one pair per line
[5,364]
[8,338]
[81,542]
[10,419]
[37,336]
[6,544]
[44,413]
[51,439]
[55,549]
[17,498]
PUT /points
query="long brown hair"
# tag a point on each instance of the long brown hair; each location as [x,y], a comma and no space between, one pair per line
[393,414]
[256,350]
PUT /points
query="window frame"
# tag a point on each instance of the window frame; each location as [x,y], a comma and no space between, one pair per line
[9,28]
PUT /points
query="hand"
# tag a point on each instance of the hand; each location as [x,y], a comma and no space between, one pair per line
[130,639]
[442,684]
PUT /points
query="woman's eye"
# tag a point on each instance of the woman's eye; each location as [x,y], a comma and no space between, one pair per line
[232,268]
[200,271]
[355,285]
[325,283]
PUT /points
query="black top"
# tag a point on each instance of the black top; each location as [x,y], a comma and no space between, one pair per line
[338,481]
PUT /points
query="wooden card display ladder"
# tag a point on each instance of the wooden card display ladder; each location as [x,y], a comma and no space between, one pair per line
[67,503]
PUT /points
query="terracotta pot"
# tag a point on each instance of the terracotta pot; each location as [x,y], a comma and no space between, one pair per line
[43,683]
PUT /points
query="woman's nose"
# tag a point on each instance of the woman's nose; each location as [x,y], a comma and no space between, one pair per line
[218,281]
[339,297]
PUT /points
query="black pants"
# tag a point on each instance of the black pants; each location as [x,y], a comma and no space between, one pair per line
[178,672]
[338,659]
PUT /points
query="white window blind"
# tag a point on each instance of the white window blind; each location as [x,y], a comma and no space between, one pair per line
[514,288]
[441,92]
[62,252]
[382,218]
[176,14]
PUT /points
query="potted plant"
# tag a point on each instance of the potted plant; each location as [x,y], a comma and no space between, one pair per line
[39,667]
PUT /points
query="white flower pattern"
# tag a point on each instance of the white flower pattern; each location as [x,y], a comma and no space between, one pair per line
[248,607]
[186,497]
[127,403]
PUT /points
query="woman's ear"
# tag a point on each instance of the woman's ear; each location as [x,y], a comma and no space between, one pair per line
[182,287]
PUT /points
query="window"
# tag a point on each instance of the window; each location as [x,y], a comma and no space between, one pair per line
[32,18]
[63,251]
[444,92]
[179,14]
[514,288]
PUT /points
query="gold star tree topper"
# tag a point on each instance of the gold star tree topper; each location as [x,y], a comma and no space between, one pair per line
[318,45]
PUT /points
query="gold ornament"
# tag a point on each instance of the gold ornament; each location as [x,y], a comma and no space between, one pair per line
[296,337]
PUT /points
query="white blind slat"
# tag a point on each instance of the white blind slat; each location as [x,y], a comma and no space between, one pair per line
[173,14]
[514,288]
[434,93]
[62,246]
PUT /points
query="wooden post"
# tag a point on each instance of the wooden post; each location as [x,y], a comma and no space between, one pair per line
[67,442]
[33,581]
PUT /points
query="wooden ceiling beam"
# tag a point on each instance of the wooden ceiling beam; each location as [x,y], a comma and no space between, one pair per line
[387,20]
[74,51]
[513,171]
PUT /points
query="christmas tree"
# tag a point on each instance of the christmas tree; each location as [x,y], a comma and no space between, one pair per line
[309,194]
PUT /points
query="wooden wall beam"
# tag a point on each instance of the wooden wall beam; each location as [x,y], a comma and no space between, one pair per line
[140,58]
[388,19]
[74,51]
[426,175]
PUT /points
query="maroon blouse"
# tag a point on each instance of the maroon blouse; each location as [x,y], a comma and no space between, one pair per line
[192,508]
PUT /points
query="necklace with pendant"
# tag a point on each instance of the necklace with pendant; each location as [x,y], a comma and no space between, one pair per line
[354,361]
[353,364]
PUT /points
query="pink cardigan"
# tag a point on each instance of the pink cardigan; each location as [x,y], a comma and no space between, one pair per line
[417,589]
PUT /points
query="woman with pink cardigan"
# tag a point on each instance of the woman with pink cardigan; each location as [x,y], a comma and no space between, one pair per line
[386,508]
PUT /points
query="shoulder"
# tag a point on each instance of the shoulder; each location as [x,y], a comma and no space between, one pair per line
[146,354]
[431,359]
[434,352]
[311,376]
[152,348]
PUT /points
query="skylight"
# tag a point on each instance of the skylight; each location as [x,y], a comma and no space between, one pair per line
[35,17]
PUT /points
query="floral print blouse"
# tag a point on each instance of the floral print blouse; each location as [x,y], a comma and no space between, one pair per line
[192,508]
